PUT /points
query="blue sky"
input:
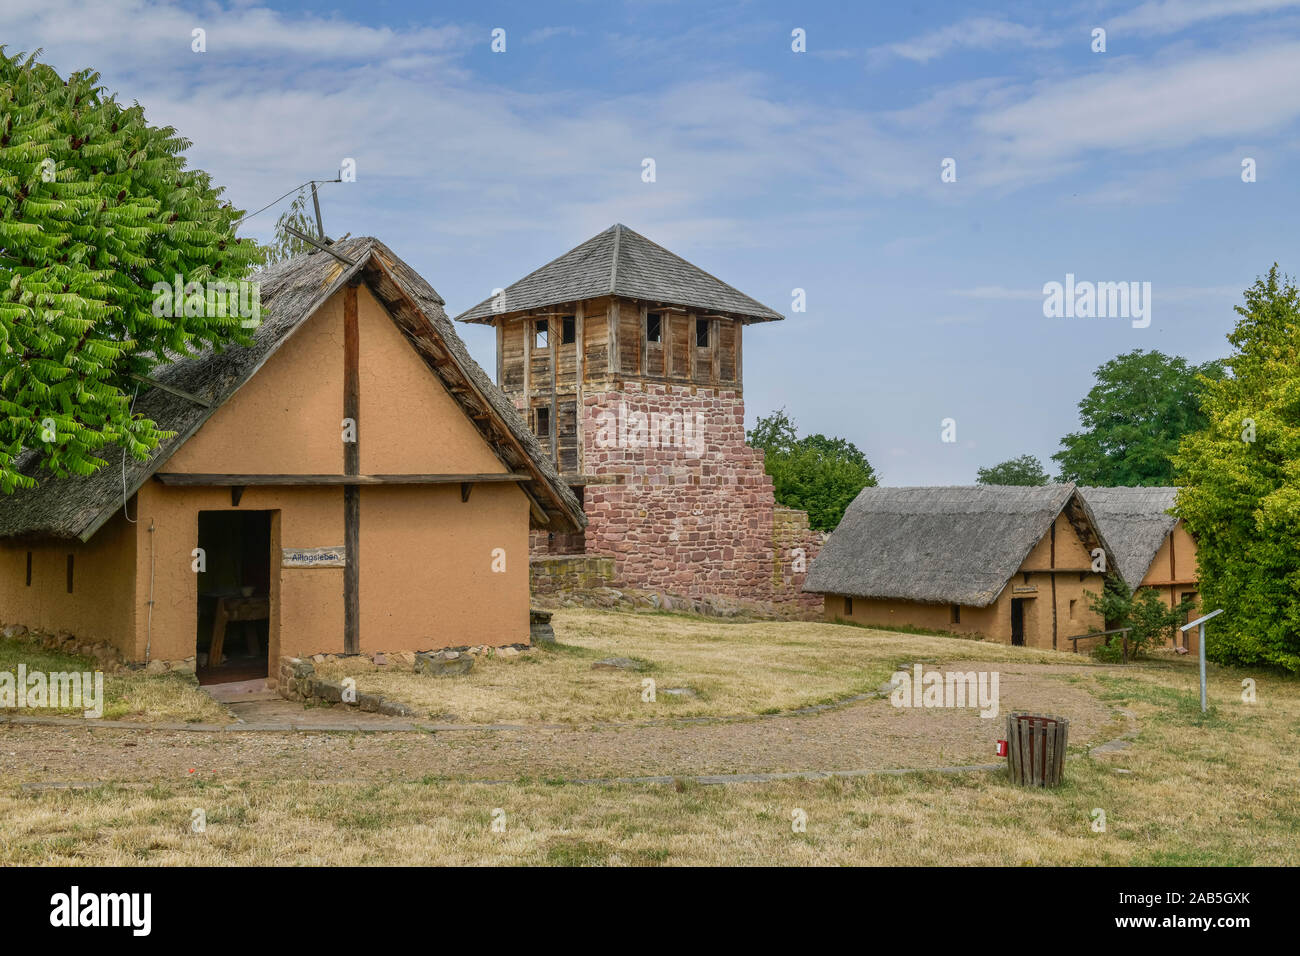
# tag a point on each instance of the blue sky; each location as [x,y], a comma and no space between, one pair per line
[775,170]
